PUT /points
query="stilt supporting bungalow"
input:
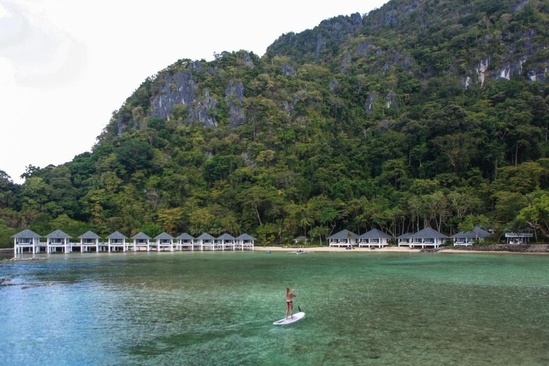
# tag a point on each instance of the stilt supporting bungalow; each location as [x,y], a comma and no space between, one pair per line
[117,242]
[141,242]
[184,242]
[206,242]
[164,241]
[245,242]
[89,242]
[26,241]
[225,242]
[58,242]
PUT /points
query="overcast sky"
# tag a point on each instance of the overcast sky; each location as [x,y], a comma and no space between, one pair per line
[67,65]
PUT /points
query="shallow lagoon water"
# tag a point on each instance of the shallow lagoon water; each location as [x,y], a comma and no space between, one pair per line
[218,309]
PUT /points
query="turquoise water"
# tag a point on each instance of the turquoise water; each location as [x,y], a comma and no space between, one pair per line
[218,308]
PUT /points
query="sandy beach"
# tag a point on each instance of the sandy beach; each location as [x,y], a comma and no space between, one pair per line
[336,249]
[391,249]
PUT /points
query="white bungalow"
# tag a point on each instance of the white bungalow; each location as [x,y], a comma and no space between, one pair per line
[374,238]
[141,241]
[164,241]
[404,240]
[225,241]
[519,238]
[26,241]
[116,242]
[184,241]
[58,241]
[344,238]
[89,242]
[468,238]
[301,239]
[206,242]
[245,242]
[428,237]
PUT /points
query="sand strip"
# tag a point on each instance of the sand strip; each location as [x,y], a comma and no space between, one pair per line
[384,250]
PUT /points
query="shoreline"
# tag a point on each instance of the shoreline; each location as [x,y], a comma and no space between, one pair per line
[335,249]
[540,249]
[501,249]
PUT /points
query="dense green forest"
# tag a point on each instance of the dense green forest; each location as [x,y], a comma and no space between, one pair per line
[421,113]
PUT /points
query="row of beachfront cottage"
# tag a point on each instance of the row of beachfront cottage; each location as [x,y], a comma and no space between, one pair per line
[27,241]
[428,237]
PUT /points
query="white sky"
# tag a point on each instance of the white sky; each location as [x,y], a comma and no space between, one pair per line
[67,65]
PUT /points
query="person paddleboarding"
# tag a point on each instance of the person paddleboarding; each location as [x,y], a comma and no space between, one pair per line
[289,302]
[290,316]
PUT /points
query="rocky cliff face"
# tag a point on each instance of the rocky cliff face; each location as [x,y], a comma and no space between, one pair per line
[507,49]
[179,88]
[471,42]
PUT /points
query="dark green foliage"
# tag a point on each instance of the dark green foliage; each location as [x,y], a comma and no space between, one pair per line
[133,155]
[220,167]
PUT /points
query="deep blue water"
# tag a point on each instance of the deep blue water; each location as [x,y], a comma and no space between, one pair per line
[186,308]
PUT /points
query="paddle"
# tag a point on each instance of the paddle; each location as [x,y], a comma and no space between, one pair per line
[298,307]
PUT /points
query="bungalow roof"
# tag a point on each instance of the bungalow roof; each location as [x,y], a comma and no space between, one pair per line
[245,237]
[375,234]
[164,236]
[429,232]
[226,236]
[185,236]
[117,235]
[27,233]
[205,236]
[141,236]
[344,234]
[464,235]
[476,233]
[58,234]
[480,232]
[89,235]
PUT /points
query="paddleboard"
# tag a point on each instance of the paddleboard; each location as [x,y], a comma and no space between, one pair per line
[296,317]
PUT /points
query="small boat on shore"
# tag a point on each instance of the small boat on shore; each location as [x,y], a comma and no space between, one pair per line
[300,251]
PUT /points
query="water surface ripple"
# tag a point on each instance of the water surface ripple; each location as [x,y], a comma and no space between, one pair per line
[218,308]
